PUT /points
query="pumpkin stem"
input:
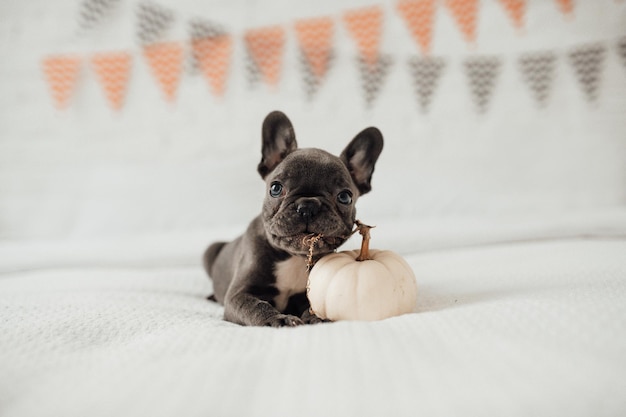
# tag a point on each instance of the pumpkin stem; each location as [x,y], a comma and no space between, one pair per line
[364,231]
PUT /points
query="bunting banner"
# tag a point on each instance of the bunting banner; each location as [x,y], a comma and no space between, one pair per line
[252,70]
[516,9]
[419,16]
[621,50]
[425,72]
[587,62]
[265,48]
[113,71]
[538,69]
[482,72]
[201,29]
[212,51]
[213,56]
[212,48]
[465,13]
[372,77]
[153,22]
[315,39]
[566,6]
[92,12]
[61,73]
[166,62]
[365,27]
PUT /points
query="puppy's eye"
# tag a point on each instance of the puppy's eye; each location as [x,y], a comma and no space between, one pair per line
[276,189]
[344,197]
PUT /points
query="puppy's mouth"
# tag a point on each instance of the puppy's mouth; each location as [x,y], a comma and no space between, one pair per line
[306,243]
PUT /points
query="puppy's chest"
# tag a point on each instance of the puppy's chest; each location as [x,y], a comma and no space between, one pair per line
[291,278]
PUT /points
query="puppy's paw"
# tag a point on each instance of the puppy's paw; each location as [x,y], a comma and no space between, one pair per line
[283,320]
[310,318]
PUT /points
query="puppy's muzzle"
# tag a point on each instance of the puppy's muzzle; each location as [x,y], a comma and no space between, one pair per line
[307,208]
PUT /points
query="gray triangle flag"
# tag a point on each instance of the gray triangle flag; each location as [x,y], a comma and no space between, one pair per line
[311,80]
[426,72]
[482,72]
[252,70]
[92,12]
[153,21]
[538,73]
[621,49]
[203,28]
[587,62]
[373,76]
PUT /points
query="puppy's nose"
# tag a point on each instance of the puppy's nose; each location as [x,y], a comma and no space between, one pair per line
[307,208]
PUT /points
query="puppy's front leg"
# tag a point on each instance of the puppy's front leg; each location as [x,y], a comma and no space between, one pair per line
[248,309]
[299,305]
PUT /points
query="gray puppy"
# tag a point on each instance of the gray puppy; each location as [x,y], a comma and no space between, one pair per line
[261,276]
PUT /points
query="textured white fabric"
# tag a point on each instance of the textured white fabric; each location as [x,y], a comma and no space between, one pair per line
[517,330]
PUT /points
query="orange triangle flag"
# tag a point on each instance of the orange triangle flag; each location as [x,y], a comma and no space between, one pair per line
[166,61]
[566,6]
[465,14]
[315,38]
[113,70]
[365,26]
[61,73]
[516,10]
[266,49]
[213,54]
[419,17]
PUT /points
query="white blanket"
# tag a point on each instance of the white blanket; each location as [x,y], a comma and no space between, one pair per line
[510,330]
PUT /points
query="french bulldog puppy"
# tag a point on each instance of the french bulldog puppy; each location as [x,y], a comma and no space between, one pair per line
[261,276]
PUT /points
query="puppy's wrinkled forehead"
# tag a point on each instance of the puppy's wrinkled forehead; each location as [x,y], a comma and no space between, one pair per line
[313,167]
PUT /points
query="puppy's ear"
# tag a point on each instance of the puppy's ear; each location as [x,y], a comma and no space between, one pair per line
[360,157]
[279,140]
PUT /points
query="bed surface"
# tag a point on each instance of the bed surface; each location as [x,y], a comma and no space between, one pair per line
[518,329]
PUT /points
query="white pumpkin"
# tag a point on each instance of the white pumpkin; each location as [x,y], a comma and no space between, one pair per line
[362,285]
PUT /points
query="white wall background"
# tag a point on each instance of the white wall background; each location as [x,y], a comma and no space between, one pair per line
[157,167]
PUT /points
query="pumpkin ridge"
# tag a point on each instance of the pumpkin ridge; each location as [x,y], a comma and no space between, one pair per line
[357,283]
[379,272]
[392,274]
[406,278]
[340,280]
